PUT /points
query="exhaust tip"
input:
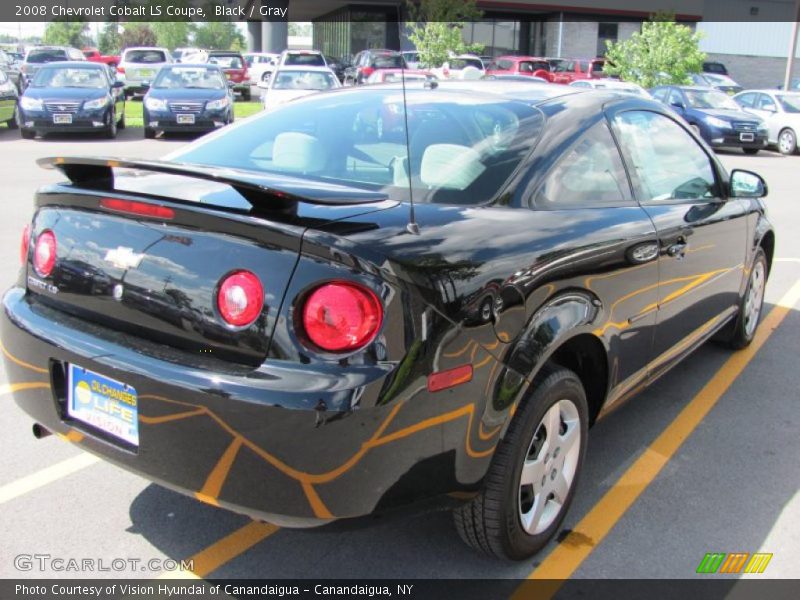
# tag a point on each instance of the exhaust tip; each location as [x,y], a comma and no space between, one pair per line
[40,432]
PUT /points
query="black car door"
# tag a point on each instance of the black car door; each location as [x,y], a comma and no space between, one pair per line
[702,235]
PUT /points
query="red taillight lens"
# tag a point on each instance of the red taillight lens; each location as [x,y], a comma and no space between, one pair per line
[121,70]
[240,298]
[138,208]
[339,317]
[44,253]
[24,245]
[367,71]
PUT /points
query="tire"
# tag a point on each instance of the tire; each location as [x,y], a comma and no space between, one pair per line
[505,519]
[751,306]
[247,95]
[121,122]
[111,128]
[27,134]
[149,134]
[14,122]
[787,142]
[750,151]
[696,129]
[265,76]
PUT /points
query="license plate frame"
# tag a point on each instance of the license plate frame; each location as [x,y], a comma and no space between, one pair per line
[105,404]
[184,119]
[747,137]
[62,119]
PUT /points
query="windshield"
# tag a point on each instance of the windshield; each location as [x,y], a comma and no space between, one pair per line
[303,80]
[388,61]
[170,78]
[226,62]
[145,56]
[789,102]
[61,77]
[460,152]
[46,55]
[304,60]
[457,64]
[710,99]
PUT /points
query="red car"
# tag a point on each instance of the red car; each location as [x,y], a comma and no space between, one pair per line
[93,55]
[235,68]
[569,70]
[520,65]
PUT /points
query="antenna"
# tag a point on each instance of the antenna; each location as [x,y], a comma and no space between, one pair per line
[412,227]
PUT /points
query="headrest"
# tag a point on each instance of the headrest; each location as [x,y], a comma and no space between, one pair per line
[300,152]
[450,166]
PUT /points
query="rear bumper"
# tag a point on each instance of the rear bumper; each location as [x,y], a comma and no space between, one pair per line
[258,442]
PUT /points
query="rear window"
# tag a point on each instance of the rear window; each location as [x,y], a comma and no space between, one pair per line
[145,56]
[226,62]
[460,152]
[597,67]
[46,55]
[458,64]
[303,80]
[304,60]
[387,61]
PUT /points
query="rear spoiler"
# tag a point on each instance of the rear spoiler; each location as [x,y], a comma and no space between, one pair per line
[265,191]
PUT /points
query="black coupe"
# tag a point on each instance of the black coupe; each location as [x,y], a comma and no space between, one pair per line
[264,321]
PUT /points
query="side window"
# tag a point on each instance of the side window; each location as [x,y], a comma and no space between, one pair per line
[661,94]
[766,103]
[675,97]
[746,100]
[590,174]
[669,164]
[584,66]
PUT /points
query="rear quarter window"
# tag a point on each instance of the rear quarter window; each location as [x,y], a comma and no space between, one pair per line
[145,56]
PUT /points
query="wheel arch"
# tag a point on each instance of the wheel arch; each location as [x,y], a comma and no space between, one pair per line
[767,243]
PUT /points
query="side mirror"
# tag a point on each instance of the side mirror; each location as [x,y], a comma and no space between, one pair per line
[678,105]
[145,85]
[118,84]
[745,184]
[231,84]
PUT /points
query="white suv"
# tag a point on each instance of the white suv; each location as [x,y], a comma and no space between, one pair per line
[141,65]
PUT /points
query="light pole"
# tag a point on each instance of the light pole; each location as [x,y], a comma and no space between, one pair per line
[787,80]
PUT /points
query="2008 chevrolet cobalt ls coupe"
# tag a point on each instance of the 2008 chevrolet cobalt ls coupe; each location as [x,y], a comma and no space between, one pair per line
[262,321]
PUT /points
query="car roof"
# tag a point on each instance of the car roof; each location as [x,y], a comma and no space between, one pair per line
[193,66]
[223,52]
[512,90]
[302,68]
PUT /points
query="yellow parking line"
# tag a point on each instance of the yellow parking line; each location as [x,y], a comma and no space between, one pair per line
[563,561]
[45,476]
[217,554]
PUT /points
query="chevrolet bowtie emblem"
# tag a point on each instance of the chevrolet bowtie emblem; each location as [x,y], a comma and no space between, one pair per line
[123,258]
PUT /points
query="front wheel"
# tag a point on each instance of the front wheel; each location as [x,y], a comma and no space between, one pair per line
[121,122]
[752,303]
[750,151]
[787,142]
[531,481]
[27,134]
[111,126]
[149,133]
[14,122]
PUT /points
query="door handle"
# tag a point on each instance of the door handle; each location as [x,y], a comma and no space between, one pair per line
[678,249]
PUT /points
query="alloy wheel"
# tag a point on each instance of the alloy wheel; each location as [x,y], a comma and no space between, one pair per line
[755,297]
[548,472]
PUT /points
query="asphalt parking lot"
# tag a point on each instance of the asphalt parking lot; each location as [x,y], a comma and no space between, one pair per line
[703,461]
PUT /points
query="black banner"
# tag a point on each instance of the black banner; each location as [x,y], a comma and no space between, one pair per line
[705,587]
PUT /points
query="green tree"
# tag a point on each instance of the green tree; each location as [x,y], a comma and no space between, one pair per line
[137,34]
[109,41]
[171,34]
[67,33]
[663,53]
[436,28]
[218,35]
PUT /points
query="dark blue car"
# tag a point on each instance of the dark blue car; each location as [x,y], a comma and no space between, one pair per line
[715,117]
[188,98]
[72,96]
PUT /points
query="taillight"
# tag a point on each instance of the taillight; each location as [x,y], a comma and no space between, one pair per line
[44,253]
[24,245]
[144,209]
[342,316]
[121,70]
[367,71]
[240,298]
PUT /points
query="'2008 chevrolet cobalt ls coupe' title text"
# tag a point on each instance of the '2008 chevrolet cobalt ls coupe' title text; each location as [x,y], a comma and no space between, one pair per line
[262,321]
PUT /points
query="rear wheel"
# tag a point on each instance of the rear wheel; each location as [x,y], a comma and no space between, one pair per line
[787,141]
[531,481]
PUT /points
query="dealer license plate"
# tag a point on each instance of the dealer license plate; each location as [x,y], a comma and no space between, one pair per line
[185,119]
[104,403]
[60,119]
[747,137]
